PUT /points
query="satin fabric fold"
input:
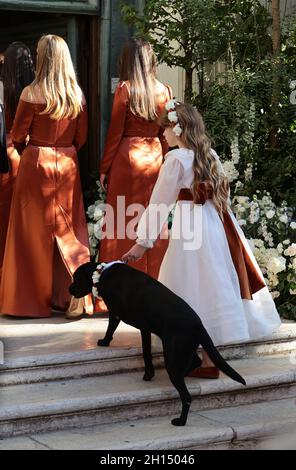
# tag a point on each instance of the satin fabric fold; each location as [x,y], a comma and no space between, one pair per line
[47,219]
[249,279]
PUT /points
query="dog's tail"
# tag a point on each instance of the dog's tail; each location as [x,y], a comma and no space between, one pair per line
[216,358]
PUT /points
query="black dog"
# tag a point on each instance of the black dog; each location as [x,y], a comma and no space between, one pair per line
[140,301]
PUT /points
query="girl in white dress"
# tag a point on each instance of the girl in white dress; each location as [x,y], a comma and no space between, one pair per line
[217,274]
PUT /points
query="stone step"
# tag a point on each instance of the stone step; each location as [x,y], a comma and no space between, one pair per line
[245,426]
[48,406]
[54,351]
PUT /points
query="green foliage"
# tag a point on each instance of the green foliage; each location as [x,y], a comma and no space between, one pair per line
[246,102]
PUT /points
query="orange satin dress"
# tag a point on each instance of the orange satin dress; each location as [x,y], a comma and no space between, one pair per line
[132,158]
[7,181]
[47,236]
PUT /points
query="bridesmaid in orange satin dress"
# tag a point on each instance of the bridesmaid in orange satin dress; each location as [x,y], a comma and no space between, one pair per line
[134,149]
[47,236]
[17,72]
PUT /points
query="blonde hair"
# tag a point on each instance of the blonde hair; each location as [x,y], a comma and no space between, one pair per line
[56,78]
[137,64]
[205,165]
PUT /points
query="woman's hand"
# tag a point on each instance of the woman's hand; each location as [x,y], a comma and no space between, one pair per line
[103,177]
[135,253]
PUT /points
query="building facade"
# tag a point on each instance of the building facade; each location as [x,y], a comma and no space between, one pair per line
[95,34]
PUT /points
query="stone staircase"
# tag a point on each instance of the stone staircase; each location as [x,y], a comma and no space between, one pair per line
[60,391]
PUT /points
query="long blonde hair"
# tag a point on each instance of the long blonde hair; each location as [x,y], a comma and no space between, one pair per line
[137,64]
[205,165]
[56,78]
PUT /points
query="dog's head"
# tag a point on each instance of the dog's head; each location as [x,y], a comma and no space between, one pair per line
[82,280]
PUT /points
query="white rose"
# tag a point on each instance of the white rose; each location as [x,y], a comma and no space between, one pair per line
[90,228]
[291,250]
[98,230]
[172,116]
[286,242]
[276,264]
[292,291]
[177,130]
[270,214]
[90,211]
[293,225]
[99,211]
[170,105]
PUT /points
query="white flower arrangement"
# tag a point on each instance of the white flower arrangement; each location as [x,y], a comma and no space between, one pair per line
[267,226]
[95,214]
[170,106]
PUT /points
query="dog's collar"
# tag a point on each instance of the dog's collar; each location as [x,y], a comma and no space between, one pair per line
[97,274]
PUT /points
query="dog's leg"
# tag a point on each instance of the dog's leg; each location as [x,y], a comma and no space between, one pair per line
[179,383]
[113,324]
[178,356]
[147,356]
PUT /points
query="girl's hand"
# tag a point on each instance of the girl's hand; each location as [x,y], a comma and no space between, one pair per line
[103,177]
[134,254]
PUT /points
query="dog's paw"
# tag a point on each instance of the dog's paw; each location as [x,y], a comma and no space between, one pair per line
[149,374]
[103,342]
[178,422]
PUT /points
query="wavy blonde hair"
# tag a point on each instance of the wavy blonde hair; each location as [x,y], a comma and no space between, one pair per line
[56,78]
[205,165]
[137,64]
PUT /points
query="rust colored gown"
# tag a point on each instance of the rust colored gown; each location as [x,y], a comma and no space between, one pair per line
[47,235]
[7,181]
[132,158]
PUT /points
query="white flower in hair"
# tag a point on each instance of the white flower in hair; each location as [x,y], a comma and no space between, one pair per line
[172,116]
[177,130]
[170,105]
[95,292]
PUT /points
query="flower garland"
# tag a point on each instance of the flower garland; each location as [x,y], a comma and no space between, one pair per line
[170,107]
[96,277]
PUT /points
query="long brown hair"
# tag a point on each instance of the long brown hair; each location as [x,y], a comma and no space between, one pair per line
[205,165]
[17,73]
[56,78]
[137,64]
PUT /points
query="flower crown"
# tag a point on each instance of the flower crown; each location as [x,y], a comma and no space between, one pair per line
[170,107]
[96,277]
